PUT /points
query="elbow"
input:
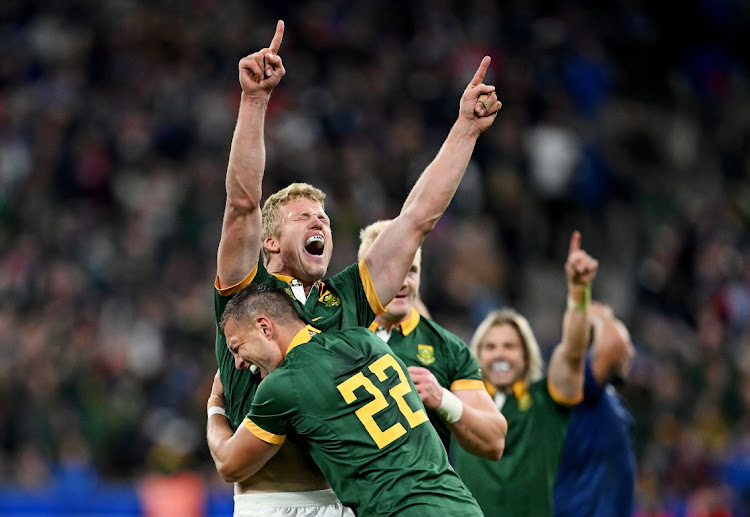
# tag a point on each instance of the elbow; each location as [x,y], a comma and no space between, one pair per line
[420,224]
[497,446]
[230,473]
[498,450]
[498,443]
[240,205]
[493,449]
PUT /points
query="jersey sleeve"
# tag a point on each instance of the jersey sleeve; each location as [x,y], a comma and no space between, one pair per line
[270,417]
[355,285]
[466,374]
[222,294]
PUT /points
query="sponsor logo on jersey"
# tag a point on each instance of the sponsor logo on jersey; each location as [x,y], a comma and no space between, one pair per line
[425,354]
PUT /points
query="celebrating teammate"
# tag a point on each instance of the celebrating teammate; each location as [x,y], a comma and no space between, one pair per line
[536,406]
[442,367]
[349,397]
[295,237]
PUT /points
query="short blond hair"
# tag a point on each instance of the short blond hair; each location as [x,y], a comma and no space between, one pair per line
[508,316]
[369,233]
[270,213]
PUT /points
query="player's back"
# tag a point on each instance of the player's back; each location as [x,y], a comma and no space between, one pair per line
[368,429]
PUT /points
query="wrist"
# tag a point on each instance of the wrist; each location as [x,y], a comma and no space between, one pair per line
[451,408]
[215,401]
[579,297]
[466,128]
[216,410]
[260,98]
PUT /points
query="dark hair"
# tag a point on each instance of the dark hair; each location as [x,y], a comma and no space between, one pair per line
[257,299]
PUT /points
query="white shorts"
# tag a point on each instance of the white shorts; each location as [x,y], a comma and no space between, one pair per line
[315,503]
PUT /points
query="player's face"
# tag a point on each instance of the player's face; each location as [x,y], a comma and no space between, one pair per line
[502,356]
[250,347]
[400,307]
[305,242]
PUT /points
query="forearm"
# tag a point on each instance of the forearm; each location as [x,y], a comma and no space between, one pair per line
[481,433]
[566,365]
[218,433]
[435,188]
[240,233]
[576,322]
[247,156]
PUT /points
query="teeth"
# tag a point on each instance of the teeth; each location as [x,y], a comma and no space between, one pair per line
[253,368]
[500,366]
[314,238]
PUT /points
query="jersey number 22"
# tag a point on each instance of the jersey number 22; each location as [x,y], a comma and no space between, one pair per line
[366,412]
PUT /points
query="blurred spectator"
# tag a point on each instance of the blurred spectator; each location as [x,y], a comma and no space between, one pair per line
[114,123]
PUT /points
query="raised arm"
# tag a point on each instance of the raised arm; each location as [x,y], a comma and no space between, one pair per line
[480,428]
[565,375]
[240,243]
[237,455]
[392,253]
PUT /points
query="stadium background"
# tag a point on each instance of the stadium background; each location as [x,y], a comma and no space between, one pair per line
[628,120]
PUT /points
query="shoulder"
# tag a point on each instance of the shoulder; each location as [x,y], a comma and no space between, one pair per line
[345,276]
[448,338]
[275,386]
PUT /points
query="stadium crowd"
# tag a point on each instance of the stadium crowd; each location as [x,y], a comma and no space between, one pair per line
[629,121]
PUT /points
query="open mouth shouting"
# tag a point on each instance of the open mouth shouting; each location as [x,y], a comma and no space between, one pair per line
[315,245]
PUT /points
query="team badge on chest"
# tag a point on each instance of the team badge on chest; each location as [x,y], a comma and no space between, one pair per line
[425,354]
[329,299]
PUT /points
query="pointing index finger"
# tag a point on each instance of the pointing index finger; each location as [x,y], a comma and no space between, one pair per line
[479,75]
[575,242]
[276,41]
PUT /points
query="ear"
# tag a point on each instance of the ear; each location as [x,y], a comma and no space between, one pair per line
[271,244]
[265,325]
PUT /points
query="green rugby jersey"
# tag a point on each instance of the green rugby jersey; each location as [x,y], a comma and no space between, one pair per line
[520,484]
[352,401]
[345,300]
[421,342]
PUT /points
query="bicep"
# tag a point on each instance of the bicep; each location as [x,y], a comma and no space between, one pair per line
[477,399]
[390,257]
[565,377]
[239,247]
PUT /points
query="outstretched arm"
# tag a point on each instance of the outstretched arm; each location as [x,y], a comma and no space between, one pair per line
[565,375]
[392,253]
[241,230]
[480,429]
[237,455]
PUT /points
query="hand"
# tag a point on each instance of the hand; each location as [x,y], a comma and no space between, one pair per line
[580,267]
[430,391]
[217,392]
[261,72]
[479,104]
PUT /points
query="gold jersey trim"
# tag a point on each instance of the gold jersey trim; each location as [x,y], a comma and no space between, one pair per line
[372,295]
[467,384]
[562,399]
[263,434]
[232,289]
[303,336]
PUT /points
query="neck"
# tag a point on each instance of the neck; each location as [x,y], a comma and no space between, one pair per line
[388,321]
[278,269]
[288,333]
